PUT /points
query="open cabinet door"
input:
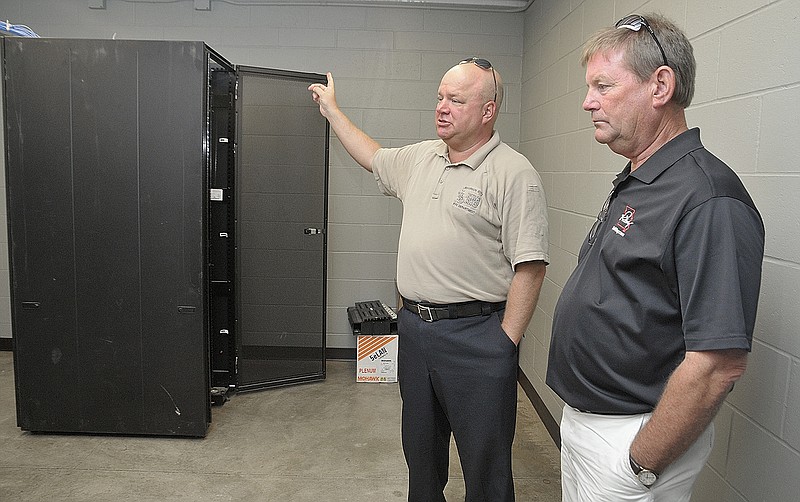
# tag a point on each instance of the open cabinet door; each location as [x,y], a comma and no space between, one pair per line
[281,193]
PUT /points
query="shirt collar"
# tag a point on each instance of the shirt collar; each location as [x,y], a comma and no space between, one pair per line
[674,150]
[477,158]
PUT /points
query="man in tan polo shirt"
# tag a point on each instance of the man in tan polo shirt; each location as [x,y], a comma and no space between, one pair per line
[471,261]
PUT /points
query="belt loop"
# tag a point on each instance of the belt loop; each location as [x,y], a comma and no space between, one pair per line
[486,309]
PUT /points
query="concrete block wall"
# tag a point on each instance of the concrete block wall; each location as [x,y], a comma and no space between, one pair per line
[387,64]
[746,104]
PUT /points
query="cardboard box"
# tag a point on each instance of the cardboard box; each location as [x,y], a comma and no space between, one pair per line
[377,358]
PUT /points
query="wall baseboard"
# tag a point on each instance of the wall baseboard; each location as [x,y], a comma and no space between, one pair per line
[541,409]
[339,353]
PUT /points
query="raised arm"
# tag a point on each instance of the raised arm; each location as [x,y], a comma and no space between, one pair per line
[360,146]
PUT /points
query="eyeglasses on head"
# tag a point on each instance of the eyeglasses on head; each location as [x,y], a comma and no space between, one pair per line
[483,64]
[634,22]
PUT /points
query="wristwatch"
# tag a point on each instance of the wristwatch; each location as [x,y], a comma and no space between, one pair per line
[646,477]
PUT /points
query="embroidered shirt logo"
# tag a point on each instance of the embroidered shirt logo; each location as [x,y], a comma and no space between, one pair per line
[625,221]
[468,199]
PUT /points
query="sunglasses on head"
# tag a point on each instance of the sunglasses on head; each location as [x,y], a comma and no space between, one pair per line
[634,22]
[483,64]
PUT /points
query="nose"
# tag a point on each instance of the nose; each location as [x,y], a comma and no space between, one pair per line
[589,102]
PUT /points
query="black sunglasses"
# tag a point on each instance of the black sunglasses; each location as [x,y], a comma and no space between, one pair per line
[484,65]
[601,217]
[635,22]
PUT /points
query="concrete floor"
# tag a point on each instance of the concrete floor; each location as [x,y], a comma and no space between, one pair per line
[327,441]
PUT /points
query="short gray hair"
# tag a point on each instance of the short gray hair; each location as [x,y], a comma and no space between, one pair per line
[642,56]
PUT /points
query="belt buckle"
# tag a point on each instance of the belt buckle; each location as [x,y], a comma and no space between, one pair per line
[423,308]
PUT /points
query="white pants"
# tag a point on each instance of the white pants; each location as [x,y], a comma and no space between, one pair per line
[595,466]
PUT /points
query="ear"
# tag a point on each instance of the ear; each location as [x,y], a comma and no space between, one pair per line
[489,111]
[663,86]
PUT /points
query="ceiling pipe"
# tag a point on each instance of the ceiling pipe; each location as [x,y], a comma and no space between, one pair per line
[474,5]
[468,5]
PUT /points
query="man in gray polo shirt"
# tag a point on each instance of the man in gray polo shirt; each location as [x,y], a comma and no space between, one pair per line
[471,261]
[654,325]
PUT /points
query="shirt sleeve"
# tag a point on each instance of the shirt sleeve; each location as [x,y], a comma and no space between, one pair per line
[392,168]
[719,248]
[524,212]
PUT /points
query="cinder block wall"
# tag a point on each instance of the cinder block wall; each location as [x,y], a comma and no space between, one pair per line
[387,64]
[746,104]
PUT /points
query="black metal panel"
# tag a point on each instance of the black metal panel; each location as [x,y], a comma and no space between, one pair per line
[106,176]
[43,306]
[173,197]
[104,168]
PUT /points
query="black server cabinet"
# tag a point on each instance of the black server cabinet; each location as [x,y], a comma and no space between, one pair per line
[121,172]
[107,215]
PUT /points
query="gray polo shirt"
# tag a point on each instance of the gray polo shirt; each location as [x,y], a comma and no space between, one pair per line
[465,225]
[675,266]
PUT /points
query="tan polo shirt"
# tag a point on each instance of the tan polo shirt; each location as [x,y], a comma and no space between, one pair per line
[466,225]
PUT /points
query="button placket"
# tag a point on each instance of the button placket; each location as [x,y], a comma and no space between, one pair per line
[437,190]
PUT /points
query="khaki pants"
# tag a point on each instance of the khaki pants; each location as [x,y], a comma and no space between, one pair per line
[595,466]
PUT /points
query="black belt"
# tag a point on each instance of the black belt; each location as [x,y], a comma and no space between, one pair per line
[607,413]
[430,312]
